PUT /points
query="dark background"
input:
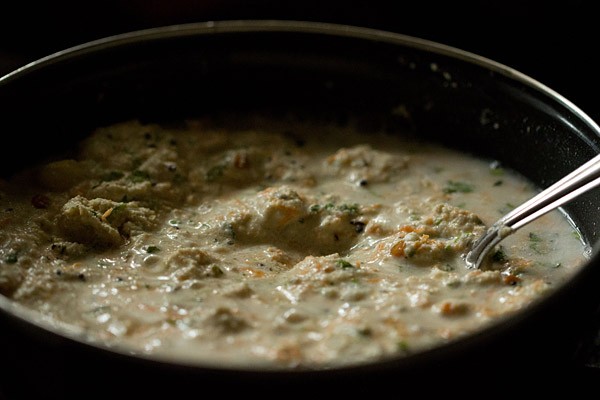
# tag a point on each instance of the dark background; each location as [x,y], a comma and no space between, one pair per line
[554,43]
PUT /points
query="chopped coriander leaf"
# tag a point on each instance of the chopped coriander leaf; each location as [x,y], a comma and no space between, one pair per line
[414,217]
[343,264]
[118,209]
[507,208]
[499,255]
[287,196]
[446,267]
[539,244]
[216,270]
[11,258]
[458,187]
[138,176]
[403,346]
[152,249]
[344,208]
[349,208]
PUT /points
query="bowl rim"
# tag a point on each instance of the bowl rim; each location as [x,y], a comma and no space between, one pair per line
[65,331]
[290,26]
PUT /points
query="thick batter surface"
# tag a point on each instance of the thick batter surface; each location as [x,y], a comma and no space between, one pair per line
[271,245]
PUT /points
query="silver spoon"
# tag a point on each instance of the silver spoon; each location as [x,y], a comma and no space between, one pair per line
[576,183]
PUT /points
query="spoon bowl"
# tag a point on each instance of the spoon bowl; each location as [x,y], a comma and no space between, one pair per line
[566,189]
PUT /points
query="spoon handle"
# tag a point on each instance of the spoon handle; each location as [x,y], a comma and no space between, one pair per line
[581,180]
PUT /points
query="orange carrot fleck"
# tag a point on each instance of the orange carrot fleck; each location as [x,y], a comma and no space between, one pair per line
[106,214]
[397,250]
[511,279]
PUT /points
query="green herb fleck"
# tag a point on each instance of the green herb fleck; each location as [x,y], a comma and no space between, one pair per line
[99,310]
[343,264]
[499,255]
[138,176]
[538,244]
[116,211]
[152,249]
[456,186]
[11,258]
[403,346]
[118,208]
[349,208]
[216,270]
[507,208]
[352,209]
[499,182]
[287,195]
[446,267]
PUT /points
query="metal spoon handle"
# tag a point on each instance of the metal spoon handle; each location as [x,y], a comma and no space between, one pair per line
[581,180]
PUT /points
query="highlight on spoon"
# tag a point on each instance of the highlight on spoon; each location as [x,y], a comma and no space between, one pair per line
[482,247]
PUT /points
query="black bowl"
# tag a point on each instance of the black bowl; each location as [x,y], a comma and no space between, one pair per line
[323,71]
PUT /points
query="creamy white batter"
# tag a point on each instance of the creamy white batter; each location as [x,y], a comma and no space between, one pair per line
[274,244]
